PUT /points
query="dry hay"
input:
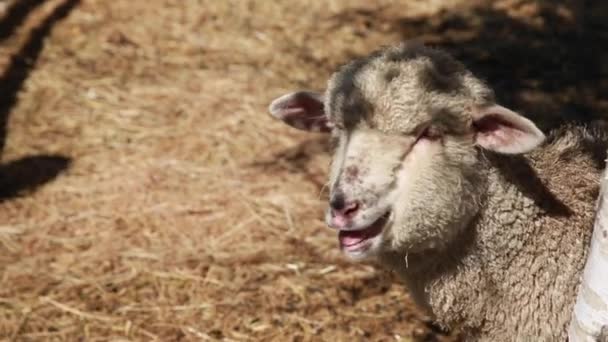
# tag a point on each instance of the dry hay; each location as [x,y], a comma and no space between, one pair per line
[180,210]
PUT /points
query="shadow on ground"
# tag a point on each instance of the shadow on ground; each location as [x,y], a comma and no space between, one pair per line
[30,172]
[16,14]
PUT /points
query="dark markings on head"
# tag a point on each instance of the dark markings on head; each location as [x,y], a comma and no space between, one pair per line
[391,74]
[439,77]
[346,97]
[443,74]
[448,122]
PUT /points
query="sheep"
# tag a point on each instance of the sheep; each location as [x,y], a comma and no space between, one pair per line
[486,218]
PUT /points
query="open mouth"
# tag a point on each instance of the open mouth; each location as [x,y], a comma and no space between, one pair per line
[359,240]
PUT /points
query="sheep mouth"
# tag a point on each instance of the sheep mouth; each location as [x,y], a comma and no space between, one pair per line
[361,239]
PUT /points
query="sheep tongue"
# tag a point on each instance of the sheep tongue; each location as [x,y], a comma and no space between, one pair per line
[350,238]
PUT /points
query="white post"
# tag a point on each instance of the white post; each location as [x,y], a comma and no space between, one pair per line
[590,316]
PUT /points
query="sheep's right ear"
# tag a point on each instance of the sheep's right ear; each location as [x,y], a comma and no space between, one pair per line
[302,110]
[502,130]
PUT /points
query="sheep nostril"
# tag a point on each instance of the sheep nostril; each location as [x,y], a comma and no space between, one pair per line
[347,210]
[342,208]
[337,202]
[351,209]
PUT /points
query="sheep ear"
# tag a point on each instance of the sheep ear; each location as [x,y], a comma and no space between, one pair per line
[501,130]
[302,110]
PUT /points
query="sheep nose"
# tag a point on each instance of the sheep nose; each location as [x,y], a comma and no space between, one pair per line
[342,211]
[340,206]
[337,202]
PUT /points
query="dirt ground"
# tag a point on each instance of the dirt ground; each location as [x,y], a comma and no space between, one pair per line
[146,194]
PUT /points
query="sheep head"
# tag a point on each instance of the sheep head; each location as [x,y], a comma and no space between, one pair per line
[410,125]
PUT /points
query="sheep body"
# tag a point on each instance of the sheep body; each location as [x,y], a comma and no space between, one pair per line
[486,219]
[514,274]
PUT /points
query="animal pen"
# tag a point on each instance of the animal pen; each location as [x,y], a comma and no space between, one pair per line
[147,195]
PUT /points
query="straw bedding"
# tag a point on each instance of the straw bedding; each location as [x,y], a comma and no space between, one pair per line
[147,195]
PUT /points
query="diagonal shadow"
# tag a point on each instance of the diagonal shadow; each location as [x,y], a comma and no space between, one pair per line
[22,62]
[30,172]
[16,15]
[27,174]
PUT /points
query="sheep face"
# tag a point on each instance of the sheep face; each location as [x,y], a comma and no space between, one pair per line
[409,123]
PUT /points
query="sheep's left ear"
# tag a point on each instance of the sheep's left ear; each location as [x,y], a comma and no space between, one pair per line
[302,110]
[502,130]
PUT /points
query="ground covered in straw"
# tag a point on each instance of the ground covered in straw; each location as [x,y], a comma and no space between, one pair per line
[147,195]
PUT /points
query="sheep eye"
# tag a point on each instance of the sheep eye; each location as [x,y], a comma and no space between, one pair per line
[430,132]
